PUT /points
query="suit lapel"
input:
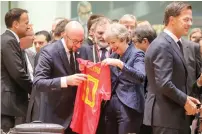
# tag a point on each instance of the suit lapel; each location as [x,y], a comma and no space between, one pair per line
[63,57]
[176,49]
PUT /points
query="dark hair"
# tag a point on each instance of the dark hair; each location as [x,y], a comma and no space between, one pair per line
[60,27]
[144,31]
[174,9]
[91,20]
[13,15]
[45,33]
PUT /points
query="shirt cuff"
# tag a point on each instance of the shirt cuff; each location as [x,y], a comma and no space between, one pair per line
[63,82]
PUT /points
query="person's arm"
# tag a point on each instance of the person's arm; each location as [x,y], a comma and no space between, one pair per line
[12,59]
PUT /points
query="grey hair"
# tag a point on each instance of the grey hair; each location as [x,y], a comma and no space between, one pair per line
[117,31]
[83,4]
[128,16]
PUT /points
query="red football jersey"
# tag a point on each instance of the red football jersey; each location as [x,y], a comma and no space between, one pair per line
[89,97]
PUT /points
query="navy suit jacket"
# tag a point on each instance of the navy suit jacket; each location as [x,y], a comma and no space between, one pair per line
[58,102]
[167,84]
[128,82]
[86,51]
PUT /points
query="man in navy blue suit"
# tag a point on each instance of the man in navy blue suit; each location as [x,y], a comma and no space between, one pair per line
[56,75]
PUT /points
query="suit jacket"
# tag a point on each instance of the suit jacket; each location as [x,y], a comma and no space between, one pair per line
[58,102]
[15,81]
[128,83]
[167,84]
[86,51]
[193,59]
[36,102]
[31,56]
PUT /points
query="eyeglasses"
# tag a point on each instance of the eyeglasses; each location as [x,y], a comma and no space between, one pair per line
[75,42]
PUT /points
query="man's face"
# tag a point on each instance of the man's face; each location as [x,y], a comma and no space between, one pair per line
[22,25]
[182,23]
[99,35]
[130,24]
[39,42]
[84,13]
[74,41]
[141,45]
[196,36]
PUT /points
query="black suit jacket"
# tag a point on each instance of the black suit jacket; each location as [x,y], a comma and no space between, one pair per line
[167,84]
[15,81]
[193,60]
[58,102]
[87,50]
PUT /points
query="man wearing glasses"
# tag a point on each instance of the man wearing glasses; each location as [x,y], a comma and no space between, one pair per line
[84,10]
[57,75]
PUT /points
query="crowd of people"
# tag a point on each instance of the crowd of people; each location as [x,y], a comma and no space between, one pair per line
[156,80]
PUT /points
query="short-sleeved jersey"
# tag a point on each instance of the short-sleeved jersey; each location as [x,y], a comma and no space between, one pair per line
[89,97]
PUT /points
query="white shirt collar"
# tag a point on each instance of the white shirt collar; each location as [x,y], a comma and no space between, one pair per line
[65,46]
[16,36]
[172,35]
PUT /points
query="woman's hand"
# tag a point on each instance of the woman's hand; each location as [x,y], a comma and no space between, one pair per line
[113,62]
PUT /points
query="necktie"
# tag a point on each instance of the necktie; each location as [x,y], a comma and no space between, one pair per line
[24,60]
[72,62]
[180,45]
[103,56]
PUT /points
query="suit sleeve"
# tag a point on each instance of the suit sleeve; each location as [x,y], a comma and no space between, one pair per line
[163,69]
[13,62]
[43,81]
[198,59]
[136,71]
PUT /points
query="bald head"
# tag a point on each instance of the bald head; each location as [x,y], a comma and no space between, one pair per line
[74,35]
[74,27]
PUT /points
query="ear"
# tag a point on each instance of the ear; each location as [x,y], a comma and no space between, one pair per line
[145,41]
[15,24]
[172,20]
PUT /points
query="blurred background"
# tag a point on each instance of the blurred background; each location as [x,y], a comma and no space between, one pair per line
[42,13]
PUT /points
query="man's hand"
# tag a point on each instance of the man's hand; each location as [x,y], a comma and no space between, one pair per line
[190,106]
[76,79]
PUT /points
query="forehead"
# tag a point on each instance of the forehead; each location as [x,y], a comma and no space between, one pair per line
[40,37]
[197,34]
[24,17]
[101,27]
[84,9]
[186,13]
[128,22]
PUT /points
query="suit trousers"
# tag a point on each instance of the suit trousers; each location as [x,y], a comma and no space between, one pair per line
[163,130]
[121,119]
[7,122]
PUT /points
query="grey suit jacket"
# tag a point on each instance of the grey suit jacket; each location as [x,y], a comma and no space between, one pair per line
[31,56]
[193,59]
[15,82]
[167,84]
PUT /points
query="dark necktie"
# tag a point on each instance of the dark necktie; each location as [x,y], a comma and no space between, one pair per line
[180,45]
[24,61]
[103,56]
[72,62]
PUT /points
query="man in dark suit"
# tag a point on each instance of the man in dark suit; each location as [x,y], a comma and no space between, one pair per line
[167,101]
[15,81]
[193,60]
[55,76]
